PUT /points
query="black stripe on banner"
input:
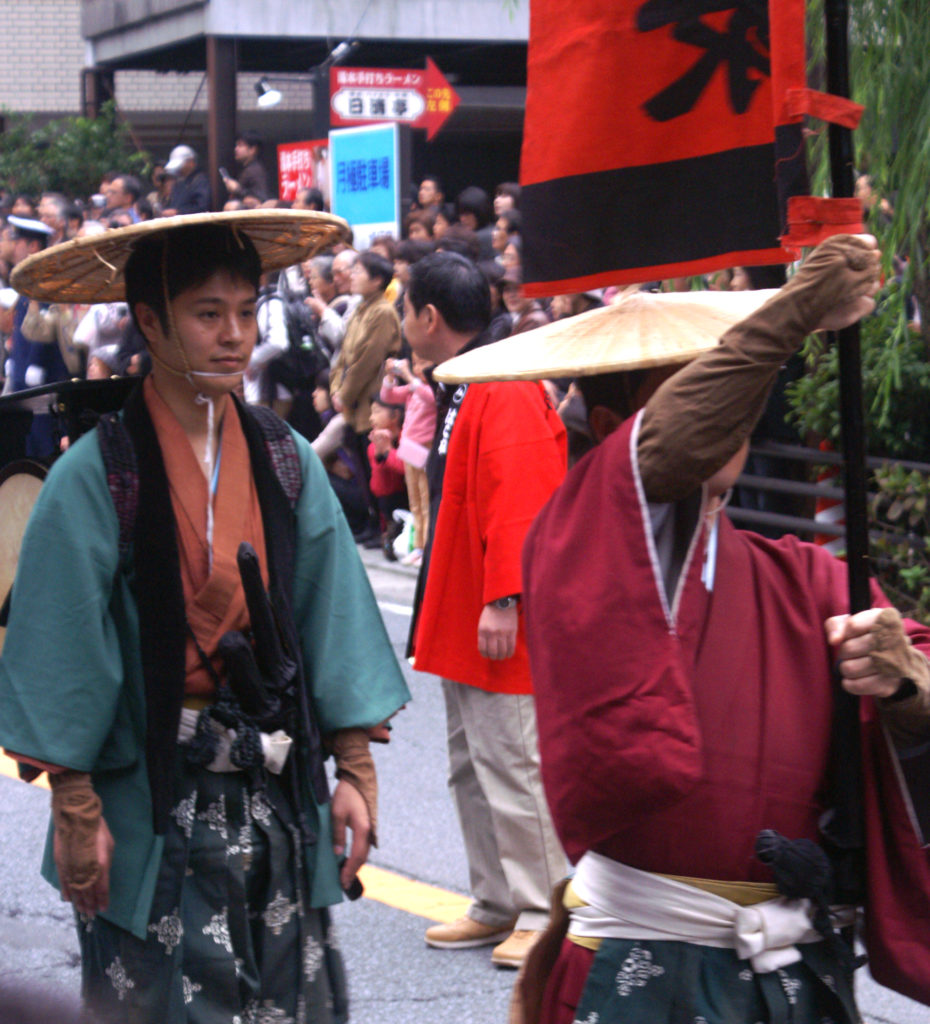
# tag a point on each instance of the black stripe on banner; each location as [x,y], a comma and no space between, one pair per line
[650,216]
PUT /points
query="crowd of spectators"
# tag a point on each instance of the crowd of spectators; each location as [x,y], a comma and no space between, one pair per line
[332,323]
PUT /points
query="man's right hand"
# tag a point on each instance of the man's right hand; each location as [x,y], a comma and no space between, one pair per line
[83,845]
[860,301]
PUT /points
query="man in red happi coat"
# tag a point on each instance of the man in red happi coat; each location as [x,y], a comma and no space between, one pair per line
[499,453]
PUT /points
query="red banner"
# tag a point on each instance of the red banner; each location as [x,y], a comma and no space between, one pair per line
[650,138]
[303,165]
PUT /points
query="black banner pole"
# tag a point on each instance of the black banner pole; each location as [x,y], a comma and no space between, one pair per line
[851,417]
[843,828]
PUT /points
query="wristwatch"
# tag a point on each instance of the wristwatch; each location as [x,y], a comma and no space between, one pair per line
[506,602]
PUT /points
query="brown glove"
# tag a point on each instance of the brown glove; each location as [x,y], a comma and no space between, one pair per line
[354,765]
[839,271]
[907,713]
[76,812]
[699,418]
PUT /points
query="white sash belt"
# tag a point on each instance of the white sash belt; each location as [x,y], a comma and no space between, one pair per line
[275,746]
[625,903]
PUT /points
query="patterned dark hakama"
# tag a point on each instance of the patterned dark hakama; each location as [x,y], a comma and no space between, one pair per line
[232,938]
[652,982]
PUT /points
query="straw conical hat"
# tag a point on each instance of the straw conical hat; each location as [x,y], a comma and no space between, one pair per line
[639,330]
[91,269]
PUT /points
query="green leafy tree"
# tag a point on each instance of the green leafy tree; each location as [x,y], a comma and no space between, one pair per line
[69,155]
[890,76]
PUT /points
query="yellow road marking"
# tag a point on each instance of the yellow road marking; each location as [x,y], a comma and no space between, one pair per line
[384,886]
[418,898]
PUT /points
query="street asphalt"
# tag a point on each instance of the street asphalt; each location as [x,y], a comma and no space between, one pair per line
[394,977]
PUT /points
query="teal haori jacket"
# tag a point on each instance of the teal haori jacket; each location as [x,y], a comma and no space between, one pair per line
[71,677]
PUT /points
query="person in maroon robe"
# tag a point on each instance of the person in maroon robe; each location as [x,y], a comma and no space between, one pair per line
[682,675]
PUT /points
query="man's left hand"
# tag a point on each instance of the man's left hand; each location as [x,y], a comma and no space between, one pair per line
[874,653]
[497,632]
[350,810]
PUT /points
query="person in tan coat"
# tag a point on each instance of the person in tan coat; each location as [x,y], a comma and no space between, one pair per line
[373,333]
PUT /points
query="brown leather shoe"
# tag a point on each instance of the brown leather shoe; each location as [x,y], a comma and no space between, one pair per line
[512,951]
[465,933]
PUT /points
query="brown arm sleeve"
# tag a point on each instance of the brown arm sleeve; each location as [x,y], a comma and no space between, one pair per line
[699,418]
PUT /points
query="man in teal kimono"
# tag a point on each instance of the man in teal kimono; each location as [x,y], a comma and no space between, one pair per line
[181,706]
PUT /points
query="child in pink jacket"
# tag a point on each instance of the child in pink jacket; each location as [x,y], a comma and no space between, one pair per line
[409,387]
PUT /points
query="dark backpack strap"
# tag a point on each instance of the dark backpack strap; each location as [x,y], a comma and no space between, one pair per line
[122,469]
[281,449]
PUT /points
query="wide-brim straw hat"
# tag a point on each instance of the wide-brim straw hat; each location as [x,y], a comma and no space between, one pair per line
[90,269]
[637,331]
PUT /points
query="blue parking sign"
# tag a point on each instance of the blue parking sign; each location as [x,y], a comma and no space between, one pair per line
[364,164]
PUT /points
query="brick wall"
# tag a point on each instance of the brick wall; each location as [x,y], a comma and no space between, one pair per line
[44,54]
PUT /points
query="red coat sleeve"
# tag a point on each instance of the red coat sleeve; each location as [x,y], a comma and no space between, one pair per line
[521,462]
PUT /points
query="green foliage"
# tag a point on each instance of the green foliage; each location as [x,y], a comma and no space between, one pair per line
[69,155]
[890,76]
[900,527]
[895,384]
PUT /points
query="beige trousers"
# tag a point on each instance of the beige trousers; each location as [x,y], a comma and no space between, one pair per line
[514,856]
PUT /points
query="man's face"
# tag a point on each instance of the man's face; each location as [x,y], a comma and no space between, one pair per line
[215,325]
[118,196]
[342,269]
[429,194]
[21,208]
[321,288]
[23,247]
[501,203]
[48,212]
[500,236]
[243,152]
[514,299]
[415,331]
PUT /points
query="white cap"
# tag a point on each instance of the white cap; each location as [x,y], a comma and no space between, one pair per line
[35,227]
[179,156]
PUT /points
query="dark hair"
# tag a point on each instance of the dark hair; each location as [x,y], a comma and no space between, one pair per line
[456,287]
[144,209]
[435,181]
[410,250]
[424,217]
[392,407]
[252,139]
[615,391]
[461,240]
[131,184]
[509,188]
[377,266]
[447,212]
[387,240]
[24,197]
[474,200]
[514,221]
[494,275]
[313,198]
[516,240]
[187,257]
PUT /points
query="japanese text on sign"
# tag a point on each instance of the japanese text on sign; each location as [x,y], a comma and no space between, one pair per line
[363,175]
[380,78]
